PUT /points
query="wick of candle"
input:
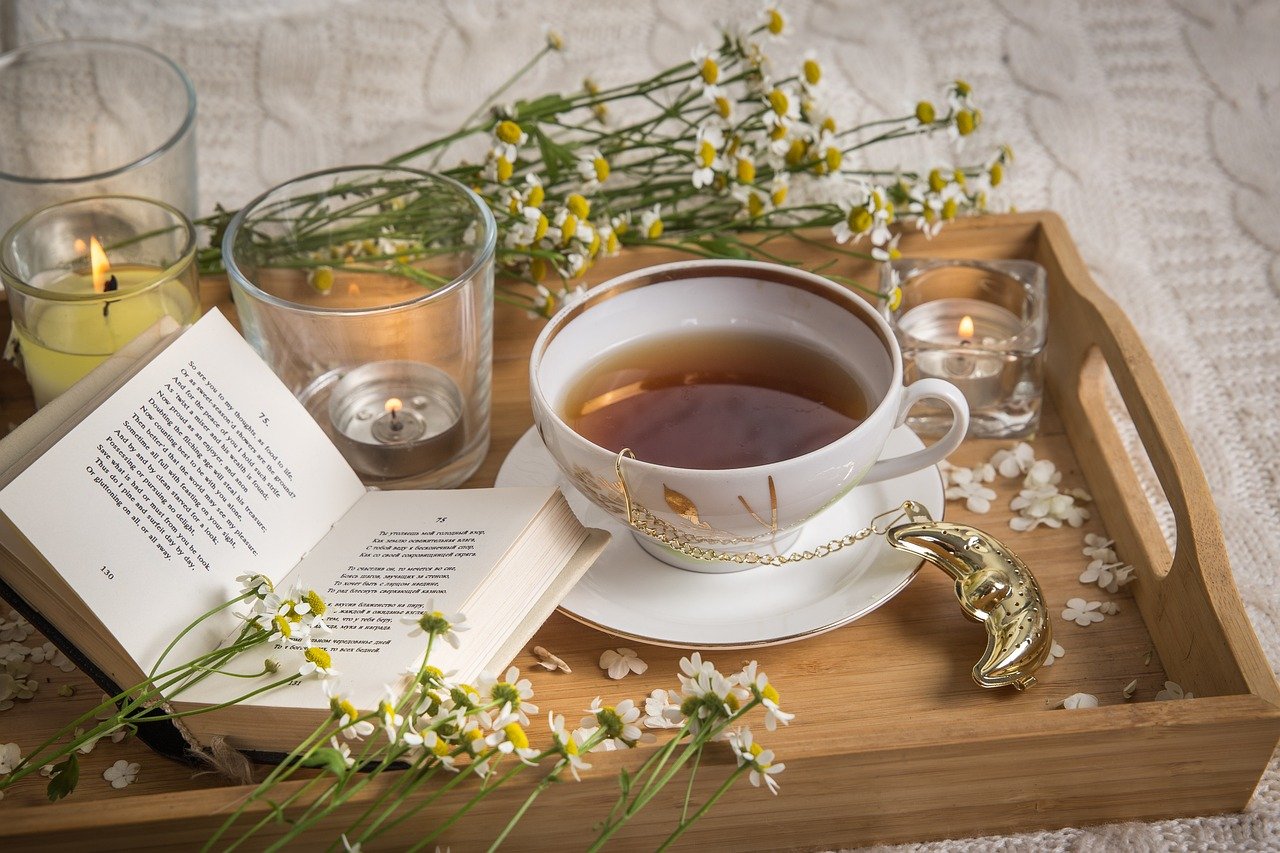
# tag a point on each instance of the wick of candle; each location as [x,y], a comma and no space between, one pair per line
[110,286]
[393,407]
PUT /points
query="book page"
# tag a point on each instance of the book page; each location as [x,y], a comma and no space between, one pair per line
[394,554]
[200,468]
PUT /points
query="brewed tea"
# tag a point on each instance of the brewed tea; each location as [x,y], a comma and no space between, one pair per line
[715,400]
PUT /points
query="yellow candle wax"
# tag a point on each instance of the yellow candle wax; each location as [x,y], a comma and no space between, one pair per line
[63,341]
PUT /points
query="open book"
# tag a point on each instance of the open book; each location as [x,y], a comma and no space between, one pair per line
[130,505]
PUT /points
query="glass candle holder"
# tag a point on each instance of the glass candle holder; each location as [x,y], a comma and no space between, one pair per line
[369,291]
[85,117]
[85,277]
[981,326]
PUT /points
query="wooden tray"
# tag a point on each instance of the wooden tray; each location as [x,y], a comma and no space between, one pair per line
[893,741]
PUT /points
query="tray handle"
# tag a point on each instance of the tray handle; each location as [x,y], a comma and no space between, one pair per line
[1188,599]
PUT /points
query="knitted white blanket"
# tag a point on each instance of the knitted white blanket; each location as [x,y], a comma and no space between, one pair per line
[1152,127]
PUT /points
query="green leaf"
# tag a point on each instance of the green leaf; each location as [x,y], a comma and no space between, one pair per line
[724,247]
[329,759]
[64,779]
[555,156]
[549,104]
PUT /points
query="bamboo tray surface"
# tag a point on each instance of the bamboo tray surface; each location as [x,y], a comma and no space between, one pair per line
[893,741]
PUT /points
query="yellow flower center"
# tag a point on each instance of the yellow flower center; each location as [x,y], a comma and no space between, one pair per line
[770,693]
[538,269]
[322,279]
[746,171]
[578,205]
[508,131]
[796,153]
[778,132]
[996,174]
[319,657]
[346,709]
[925,113]
[829,124]
[775,22]
[611,244]
[706,154]
[779,194]
[755,206]
[602,169]
[514,203]
[834,158]
[536,196]
[779,101]
[318,607]
[756,749]
[594,248]
[894,254]
[504,169]
[283,626]
[963,89]
[732,702]
[930,215]
[812,72]
[860,220]
[965,122]
[570,745]
[958,177]
[475,734]
[724,106]
[710,71]
[937,183]
[540,229]
[949,209]
[440,748]
[655,229]
[516,735]
[895,297]
[569,229]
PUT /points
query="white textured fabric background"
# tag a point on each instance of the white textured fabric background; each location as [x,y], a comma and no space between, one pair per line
[1153,127]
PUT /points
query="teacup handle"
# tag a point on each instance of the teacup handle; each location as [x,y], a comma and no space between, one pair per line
[937,389]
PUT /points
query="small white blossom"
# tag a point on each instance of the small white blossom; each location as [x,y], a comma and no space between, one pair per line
[1015,462]
[122,773]
[1110,608]
[1173,690]
[1083,613]
[967,486]
[10,757]
[1055,651]
[1098,548]
[1080,700]
[1130,689]
[748,752]
[660,710]
[621,662]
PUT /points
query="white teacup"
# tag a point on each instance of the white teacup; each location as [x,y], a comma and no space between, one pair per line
[758,508]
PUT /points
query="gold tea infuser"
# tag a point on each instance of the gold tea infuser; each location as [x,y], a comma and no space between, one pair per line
[993,585]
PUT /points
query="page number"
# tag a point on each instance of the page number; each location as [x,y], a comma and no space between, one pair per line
[110,575]
[441,519]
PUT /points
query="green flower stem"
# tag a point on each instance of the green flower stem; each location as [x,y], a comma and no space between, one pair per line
[524,807]
[688,791]
[711,801]
[468,806]
[206,615]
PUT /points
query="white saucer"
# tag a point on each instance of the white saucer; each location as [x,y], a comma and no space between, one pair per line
[635,596]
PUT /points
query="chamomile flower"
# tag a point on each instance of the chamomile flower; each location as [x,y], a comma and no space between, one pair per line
[392,720]
[858,221]
[706,155]
[345,713]
[510,690]
[759,759]
[774,23]
[651,225]
[317,660]
[594,169]
[567,744]
[437,624]
[507,139]
[427,740]
[707,64]
[758,683]
[260,585]
[617,721]
[510,738]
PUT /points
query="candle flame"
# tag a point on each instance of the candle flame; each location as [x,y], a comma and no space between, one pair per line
[98,265]
[394,405]
[966,328]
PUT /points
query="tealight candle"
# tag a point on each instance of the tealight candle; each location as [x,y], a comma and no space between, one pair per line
[979,325]
[76,300]
[394,419]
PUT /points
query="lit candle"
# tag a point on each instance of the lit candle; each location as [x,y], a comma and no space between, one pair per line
[396,419]
[964,337]
[72,327]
